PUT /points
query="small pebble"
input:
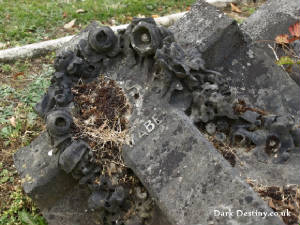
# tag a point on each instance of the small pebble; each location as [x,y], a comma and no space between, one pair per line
[210,128]
[50,153]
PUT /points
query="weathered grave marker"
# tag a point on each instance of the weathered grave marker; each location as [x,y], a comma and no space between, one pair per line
[272,19]
[171,94]
[252,74]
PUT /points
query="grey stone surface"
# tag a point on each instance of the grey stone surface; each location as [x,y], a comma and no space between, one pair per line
[209,30]
[57,194]
[186,175]
[60,154]
[250,69]
[61,200]
[41,177]
[72,209]
[255,77]
[259,166]
[271,19]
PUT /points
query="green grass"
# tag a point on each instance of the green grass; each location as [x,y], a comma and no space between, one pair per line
[21,211]
[18,104]
[18,126]
[28,21]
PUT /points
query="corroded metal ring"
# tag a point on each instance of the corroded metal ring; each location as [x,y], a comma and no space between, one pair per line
[102,39]
[59,122]
[145,38]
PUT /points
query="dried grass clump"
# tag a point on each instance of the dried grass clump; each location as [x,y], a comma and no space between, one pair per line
[101,107]
[281,199]
[99,119]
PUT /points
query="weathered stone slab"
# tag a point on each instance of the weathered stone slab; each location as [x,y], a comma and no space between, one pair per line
[271,19]
[169,91]
[252,72]
[259,166]
[260,82]
[186,175]
[209,30]
[183,172]
[57,194]
[61,199]
[39,172]
[257,79]
[253,76]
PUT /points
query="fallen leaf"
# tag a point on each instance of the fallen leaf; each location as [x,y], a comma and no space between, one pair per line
[295,29]
[188,8]
[282,39]
[65,14]
[12,121]
[154,16]
[234,8]
[15,76]
[289,68]
[69,25]
[271,204]
[80,11]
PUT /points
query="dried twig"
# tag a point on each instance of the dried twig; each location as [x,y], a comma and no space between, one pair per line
[275,54]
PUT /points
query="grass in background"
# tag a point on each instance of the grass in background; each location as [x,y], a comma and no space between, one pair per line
[29,21]
[22,85]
